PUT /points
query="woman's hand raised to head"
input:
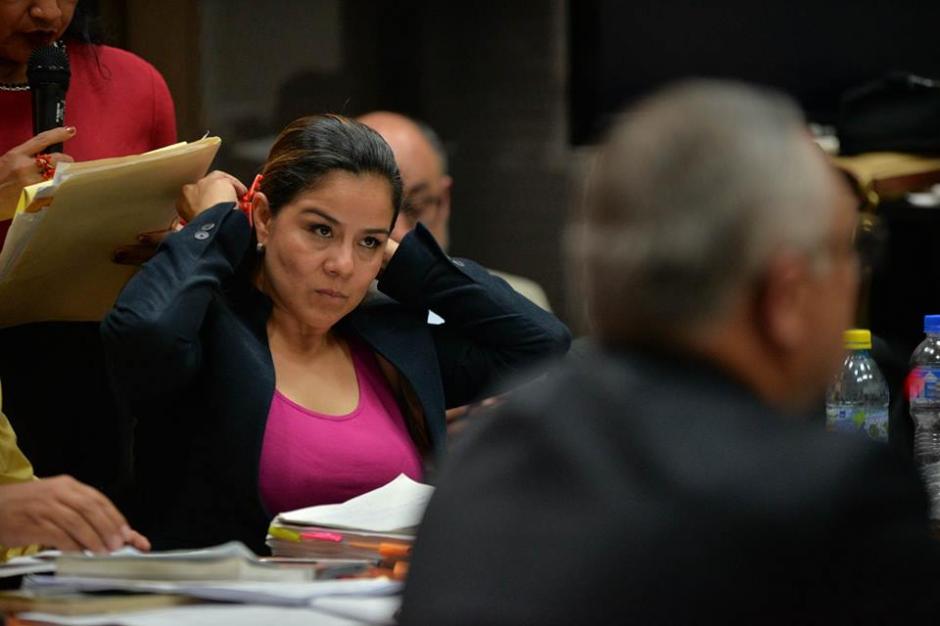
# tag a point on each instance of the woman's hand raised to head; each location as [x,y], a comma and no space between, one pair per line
[194,198]
[207,192]
[18,167]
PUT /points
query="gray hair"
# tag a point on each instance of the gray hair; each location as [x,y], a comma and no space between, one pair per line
[693,191]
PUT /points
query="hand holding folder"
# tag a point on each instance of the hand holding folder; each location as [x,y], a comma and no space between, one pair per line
[56,263]
[18,168]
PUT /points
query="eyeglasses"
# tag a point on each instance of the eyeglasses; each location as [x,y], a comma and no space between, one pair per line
[420,208]
[867,243]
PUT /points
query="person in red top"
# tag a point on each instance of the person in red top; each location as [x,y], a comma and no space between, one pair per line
[117,104]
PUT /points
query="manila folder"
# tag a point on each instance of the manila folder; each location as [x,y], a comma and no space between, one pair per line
[56,262]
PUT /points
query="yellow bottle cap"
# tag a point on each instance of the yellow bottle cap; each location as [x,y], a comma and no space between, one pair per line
[857,339]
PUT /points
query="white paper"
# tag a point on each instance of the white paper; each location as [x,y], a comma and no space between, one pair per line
[379,610]
[22,565]
[229,561]
[273,593]
[207,615]
[395,507]
[231,549]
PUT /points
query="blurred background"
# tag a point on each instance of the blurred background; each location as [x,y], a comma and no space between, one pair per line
[516,89]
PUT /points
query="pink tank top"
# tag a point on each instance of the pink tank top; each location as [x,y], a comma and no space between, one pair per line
[309,458]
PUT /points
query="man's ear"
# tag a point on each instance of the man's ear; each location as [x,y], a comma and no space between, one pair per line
[783,301]
[261,216]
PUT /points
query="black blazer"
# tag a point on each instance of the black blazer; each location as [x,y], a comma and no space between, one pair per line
[189,362]
[642,489]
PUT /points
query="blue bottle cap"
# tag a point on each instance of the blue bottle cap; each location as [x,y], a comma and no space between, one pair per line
[932,323]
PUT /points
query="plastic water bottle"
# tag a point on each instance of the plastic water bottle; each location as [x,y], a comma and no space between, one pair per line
[857,400]
[923,389]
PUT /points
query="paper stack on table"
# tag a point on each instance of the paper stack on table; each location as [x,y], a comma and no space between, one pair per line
[251,592]
[380,524]
[58,601]
[265,590]
[22,565]
[133,583]
[55,263]
[351,614]
[230,561]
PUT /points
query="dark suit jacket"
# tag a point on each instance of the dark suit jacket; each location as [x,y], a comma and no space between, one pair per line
[642,489]
[188,352]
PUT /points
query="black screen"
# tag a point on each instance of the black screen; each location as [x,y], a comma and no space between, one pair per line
[812,50]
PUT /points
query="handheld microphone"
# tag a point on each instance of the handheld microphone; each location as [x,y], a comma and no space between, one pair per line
[48,75]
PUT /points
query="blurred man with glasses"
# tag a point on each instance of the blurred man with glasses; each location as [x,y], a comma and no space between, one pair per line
[422,160]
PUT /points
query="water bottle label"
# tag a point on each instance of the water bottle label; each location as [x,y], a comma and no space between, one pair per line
[923,384]
[847,418]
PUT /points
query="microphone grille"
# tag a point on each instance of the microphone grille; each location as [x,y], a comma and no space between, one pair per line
[48,64]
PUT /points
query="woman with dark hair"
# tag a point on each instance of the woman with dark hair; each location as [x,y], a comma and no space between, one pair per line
[117,104]
[264,372]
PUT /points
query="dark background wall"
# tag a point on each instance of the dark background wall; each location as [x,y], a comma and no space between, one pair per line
[813,50]
[490,77]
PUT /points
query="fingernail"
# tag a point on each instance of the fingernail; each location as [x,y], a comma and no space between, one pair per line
[70,129]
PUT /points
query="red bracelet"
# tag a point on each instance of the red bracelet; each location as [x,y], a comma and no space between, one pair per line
[45,165]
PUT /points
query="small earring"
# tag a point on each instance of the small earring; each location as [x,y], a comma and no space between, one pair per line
[260,247]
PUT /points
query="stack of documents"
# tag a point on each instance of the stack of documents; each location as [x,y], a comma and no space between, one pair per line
[249,592]
[40,563]
[132,581]
[380,524]
[230,561]
[63,601]
[56,261]
[351,612]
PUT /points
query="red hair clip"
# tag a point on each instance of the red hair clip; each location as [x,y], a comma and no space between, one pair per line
[245,203]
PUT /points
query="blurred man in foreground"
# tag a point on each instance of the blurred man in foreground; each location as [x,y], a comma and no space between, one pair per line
[422,160]
[668,478]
